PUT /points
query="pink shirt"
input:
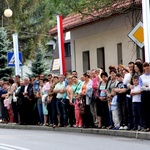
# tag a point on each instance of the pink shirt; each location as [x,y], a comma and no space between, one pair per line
[95,84]
[46,87]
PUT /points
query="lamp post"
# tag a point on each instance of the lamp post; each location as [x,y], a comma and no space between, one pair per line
[146,23]
[7,13]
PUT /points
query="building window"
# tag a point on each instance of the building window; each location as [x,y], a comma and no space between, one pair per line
[101,58]
[119,53]
[140,53]
[86,61]
[50,48]
[67,50]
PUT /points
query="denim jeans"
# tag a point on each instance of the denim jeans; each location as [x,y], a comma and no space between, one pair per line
[129,110]
[61,106]
[40,110]
[138,114]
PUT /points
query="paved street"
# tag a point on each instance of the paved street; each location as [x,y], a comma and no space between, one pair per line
[12,139]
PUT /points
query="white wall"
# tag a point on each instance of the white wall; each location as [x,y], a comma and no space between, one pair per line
[107,33]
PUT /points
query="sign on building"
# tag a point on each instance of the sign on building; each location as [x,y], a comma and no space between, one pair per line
[137,34]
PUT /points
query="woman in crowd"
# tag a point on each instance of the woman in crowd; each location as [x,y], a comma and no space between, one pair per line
[144,82]
[3,94]
[110,86]
[102,104]
[138,68]
[87,85]
[52,100]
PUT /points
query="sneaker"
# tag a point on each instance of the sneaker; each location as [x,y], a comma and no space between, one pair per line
[125,127]
[134,129]
[116,128]
[121,128]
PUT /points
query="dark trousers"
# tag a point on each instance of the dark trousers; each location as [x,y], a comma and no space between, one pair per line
[145,98]
[122,113]
[21,113]
[71,114]
[28,108]
[138,114]
[129,111]
[105,114]
[87,117]
[61,106]
[15,111]
[53,112]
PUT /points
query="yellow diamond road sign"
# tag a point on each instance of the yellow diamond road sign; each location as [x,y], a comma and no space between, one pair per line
[137,34]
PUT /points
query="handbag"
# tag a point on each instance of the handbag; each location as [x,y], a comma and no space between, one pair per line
[82,107]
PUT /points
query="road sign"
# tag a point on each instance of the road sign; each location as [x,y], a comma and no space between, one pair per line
[137,34]
[11,58]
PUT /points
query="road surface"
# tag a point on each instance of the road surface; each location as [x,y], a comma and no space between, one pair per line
[12,139]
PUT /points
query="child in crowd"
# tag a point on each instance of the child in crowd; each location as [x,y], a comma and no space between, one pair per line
[136,104]
[114,109]
[121,100]
[78,116]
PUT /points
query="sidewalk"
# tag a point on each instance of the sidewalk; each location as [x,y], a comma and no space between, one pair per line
[121,133]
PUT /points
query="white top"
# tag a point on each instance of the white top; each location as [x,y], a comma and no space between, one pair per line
[136,98]
[127,78]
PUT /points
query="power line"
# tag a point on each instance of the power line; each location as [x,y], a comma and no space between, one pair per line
[29,33]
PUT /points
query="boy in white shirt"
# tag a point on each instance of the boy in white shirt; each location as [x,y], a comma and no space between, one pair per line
[136,104]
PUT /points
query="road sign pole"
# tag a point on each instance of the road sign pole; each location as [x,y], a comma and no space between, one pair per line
[146,24]
[16,53]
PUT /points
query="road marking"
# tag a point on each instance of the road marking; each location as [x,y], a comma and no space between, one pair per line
[2,147]
[11,147]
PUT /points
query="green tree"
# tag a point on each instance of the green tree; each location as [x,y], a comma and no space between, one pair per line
[38,65]
[5,71]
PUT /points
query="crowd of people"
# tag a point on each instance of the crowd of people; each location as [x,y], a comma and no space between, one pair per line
[117,100]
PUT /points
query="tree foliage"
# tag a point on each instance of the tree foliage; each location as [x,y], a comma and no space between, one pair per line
[38,65]
[5,71]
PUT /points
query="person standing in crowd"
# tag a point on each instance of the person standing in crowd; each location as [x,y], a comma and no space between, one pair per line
[28,102]
[36,85]
[144,82]
[39,103]
[95,97]
[61,103]
[111,84]
[102,104]
[43,95]
[137,105]
[121,99]
[1,84]
[114,109]
[13,114]
[52,99]
[74,73]
[3,95]
[76,87]
[86,95]
[69,98]
[19,97]
[46,88]
[138,68]
[128,82]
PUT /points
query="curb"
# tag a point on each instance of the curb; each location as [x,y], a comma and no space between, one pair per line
[128,134]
